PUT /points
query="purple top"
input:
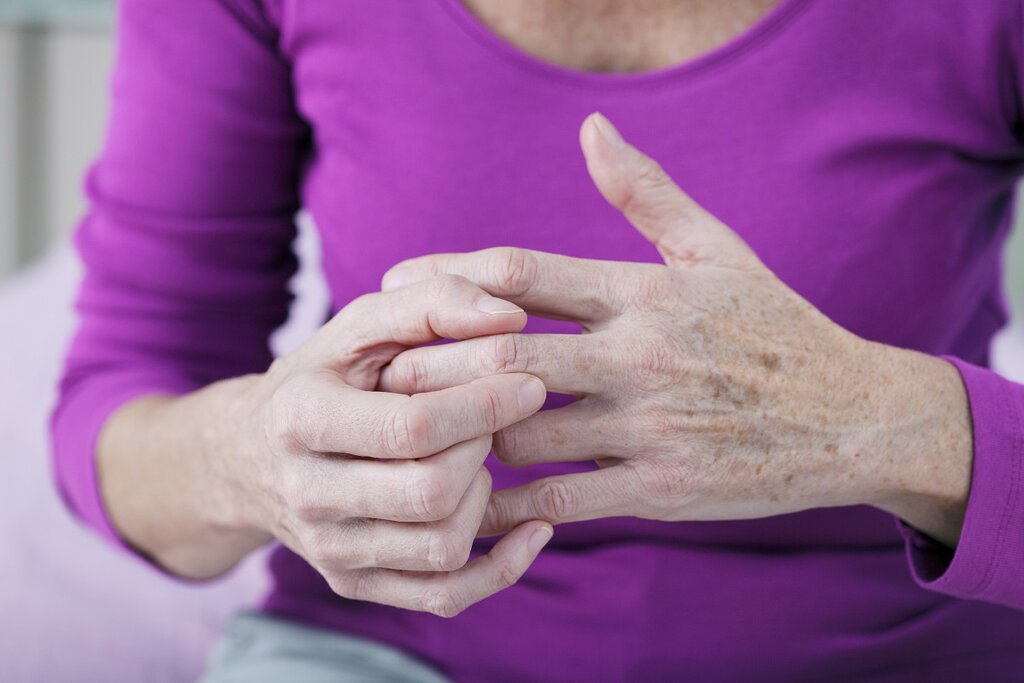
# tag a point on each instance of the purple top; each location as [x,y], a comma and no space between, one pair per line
[866,150]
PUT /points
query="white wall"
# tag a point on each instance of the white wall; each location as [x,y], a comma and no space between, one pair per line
[9,83]
[50,129]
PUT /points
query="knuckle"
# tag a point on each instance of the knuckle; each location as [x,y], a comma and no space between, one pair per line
[283,416]
[295,423]
[664,482]
[649,173]
[446,553]
[293,487]
[411,374]
[406,373]
[443,287]
[506,445]
[346,584]
[554,500]
[504,353]
[429,498]
[321,550]
[655,288]
[515,270]
[507,354]
[505,576]
[338,584]
[408,431]
[442,603]
[655,359]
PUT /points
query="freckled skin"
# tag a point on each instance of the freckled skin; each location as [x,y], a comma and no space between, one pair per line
[711,389]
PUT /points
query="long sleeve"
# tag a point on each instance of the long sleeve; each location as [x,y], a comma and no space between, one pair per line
[988,563]
[187,244]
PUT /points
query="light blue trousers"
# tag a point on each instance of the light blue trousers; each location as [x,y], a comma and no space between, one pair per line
[260,649]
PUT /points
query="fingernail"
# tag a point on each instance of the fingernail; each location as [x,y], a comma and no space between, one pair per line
[493,306]
[395,278]
[608,131]
[531,394]
[539,539]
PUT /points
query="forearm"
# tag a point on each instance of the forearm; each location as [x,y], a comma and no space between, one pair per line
[163,466]
[920,461]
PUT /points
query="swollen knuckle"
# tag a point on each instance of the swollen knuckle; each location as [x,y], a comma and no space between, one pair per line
[338,584]
[650,174]
[515,270]
[429,498]
[442,603]
[411,374]
[554,500]
[408,431]
[505,445]
[445,553]
[506,354]
[505,576]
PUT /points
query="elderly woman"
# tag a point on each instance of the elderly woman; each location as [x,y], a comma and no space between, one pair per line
[772,452]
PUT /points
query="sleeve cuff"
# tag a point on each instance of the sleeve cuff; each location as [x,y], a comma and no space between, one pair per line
[988,562]
[75,429]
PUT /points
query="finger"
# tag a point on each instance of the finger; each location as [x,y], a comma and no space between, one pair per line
[441,546]
[566,363]
[447,594]
[549,285]
[442,307]
[562,498]
[580,431]
[684,233]
[338,418]
[425,490]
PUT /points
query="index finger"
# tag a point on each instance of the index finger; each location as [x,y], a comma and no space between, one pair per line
[372,424]
[550,285]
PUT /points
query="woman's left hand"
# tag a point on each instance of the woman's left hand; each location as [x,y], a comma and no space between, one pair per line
[707,388]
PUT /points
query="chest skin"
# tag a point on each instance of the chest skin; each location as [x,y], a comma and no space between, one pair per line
[614,36]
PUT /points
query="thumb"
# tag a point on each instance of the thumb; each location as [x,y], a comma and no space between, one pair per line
[632,182]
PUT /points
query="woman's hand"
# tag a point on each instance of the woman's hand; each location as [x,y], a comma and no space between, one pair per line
[707,389]
[382,493]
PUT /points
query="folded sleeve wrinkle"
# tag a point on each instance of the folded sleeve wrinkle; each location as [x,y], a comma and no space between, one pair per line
[187,243]
[988,562]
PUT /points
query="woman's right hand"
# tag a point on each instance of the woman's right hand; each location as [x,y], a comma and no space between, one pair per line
[383,494]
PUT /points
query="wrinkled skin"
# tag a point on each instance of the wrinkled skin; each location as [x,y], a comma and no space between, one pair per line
[707,388]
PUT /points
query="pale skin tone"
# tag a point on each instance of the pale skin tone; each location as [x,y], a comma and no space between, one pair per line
[707,389]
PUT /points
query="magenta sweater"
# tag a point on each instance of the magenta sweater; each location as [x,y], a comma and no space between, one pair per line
[867,150]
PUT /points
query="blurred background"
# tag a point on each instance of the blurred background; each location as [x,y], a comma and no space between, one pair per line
[54,60]
[61,591]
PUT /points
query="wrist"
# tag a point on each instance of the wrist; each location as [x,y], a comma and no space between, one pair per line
[919,458]
[231,455]
[162,471]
